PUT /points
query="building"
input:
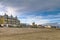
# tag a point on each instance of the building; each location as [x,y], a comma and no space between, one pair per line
[9,21]
[41,26]
[48,26]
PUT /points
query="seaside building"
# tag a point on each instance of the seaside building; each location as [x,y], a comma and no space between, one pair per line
[9,21]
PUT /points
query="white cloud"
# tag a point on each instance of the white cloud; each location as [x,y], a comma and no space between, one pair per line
[32,5]
[29,21]
[20,6]
[41,19]
[10,11]
[32,18]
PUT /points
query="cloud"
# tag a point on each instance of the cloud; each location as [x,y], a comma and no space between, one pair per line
[31,18]
[10,11]
[23,9]
[30,21]
[57,16]
[40,19]
[23,6]
[32,5]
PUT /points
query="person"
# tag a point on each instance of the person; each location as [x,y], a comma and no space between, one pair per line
[0,25]
[6,25]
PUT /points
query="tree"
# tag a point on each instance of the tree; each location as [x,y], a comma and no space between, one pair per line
[2,20]
[34,25]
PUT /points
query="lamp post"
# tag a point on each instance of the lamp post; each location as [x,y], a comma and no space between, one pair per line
[7,21]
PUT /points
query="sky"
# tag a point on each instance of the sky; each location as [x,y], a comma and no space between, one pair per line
[28,11]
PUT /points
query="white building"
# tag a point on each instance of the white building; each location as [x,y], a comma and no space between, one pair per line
[48,26]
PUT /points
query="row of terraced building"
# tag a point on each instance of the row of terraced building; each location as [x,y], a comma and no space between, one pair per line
[9,21]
